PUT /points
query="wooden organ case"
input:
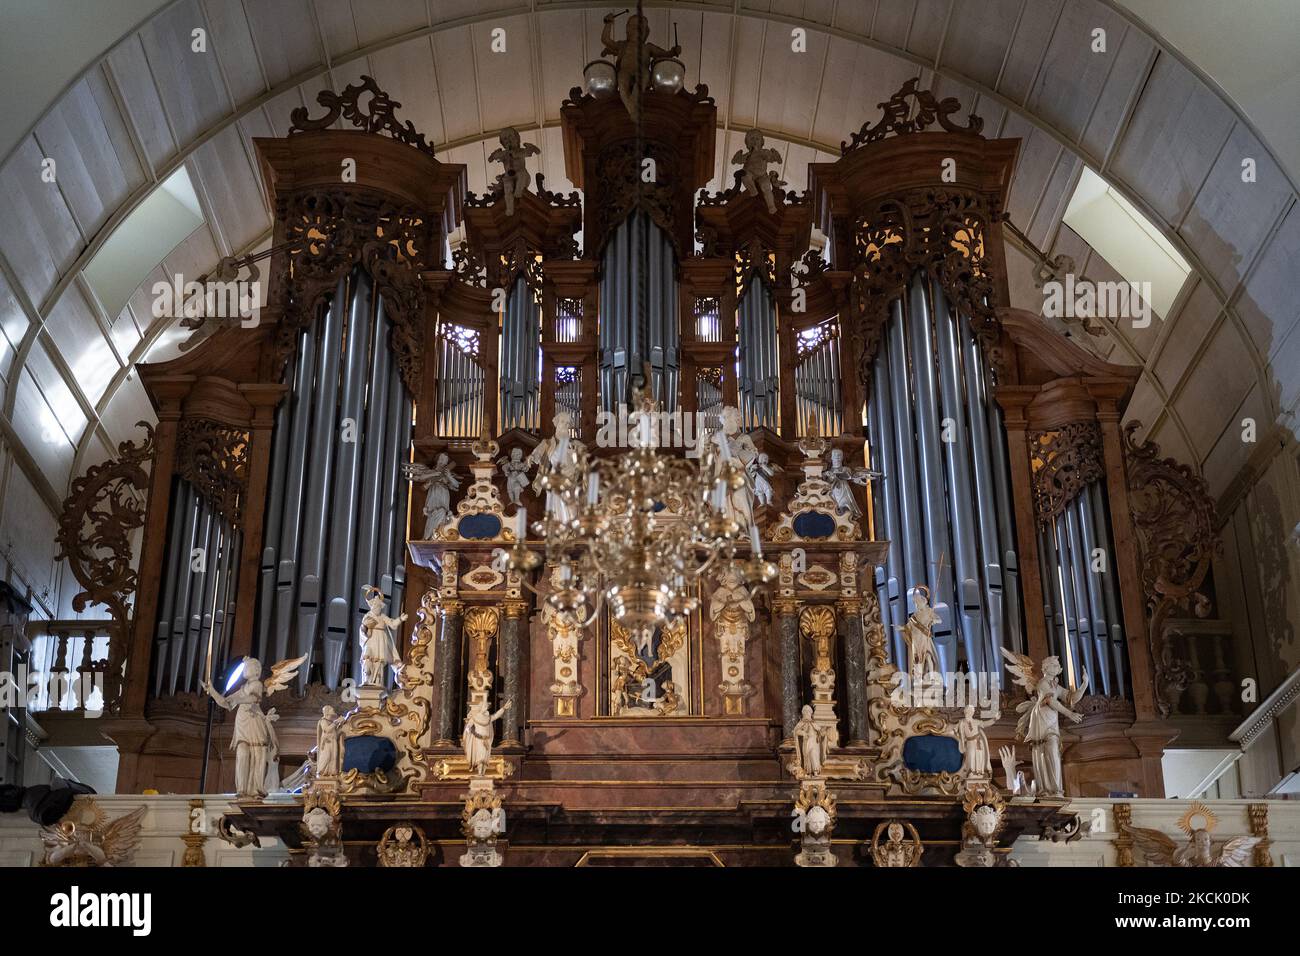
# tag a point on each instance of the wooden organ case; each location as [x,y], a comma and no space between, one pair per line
[894,348]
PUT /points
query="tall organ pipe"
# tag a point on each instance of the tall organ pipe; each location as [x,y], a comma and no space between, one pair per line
[347,474]
[907,481]
[324,439]
[185,590]
[1078,575]
[372,470]
[935,507]
[957,460]
[1100,638]
[892,609]
[286,579]
[274,513]
[171,581]
[1097,510]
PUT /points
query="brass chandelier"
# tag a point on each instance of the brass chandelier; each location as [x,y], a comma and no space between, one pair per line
[639,532]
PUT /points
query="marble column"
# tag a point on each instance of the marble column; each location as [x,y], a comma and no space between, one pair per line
[788,619]
[508,654]
[855,666]
[446,665]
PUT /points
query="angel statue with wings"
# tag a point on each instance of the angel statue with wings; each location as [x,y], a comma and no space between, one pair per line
[254,737]
[1040,724]
[1161,850]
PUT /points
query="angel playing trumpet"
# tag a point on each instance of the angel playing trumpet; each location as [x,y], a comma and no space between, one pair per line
[254,738]
[1040,724]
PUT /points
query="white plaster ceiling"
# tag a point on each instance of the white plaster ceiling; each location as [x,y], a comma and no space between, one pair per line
[1150,123]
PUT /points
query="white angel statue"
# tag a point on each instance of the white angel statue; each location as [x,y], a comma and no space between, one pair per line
[439,482]
[738,449]
[1161,850]
[842,478]
[562,455]
[1040,715]
[253,737]
[378,649]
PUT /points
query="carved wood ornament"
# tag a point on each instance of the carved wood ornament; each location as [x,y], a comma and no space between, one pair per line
[100,515]
[214,458]
[1064,462]
[1173,515]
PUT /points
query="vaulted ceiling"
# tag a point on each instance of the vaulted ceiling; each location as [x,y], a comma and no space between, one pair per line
[1139,113]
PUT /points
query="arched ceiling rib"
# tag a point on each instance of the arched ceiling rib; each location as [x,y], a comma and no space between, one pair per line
[1150,124]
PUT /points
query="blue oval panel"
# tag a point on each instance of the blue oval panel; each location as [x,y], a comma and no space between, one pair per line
[478,527]
[931,753]
[366,754]
[814,524]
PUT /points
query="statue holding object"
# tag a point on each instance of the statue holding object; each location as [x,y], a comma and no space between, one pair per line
[1040,724]
[633,57]
[378,648]
[253,737]
[917,633]
[479,734]
[439,483]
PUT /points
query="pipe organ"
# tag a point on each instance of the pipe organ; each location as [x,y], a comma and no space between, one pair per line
[997,485]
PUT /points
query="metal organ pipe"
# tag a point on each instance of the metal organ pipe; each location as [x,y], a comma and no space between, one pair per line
[324,439]
[171,581]
[275,511]
[1096,508]
[881,424]
[344,494]
[1099,618]
[286,579]
[907,481]
[957,461]
[932,488]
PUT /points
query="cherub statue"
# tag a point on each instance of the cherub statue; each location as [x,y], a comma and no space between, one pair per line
[974,744]
[739,450]
[623,674]
[901,849]
[761,471]
[811,744]
[562,455]
[515,469]
[327,743]
[512,155]
[378,648]
[402,845]
[322,829]
[1161,850]
[755,177]
[479,733]
[92,842]
[439,482]
[1040,715]
[921,656]
[253,736]
[842,477]
[633,56]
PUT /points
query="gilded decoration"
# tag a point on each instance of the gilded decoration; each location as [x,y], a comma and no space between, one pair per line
[86,837]
[327,233]
[403,845]
[1064,461]
[648,670]
[902,846]
[938,230]
[481,625]
[1174,517]
[214,459]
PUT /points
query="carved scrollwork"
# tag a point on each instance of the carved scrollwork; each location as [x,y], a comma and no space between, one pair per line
[101,513]
[1063,461]
[1174,517]
[619,190]
[374,115]
[940,231]
[214,458]
[99,516]
[754,258]
[330,231]
[899,118]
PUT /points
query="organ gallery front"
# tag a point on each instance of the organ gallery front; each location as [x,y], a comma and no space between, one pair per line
[643,523]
